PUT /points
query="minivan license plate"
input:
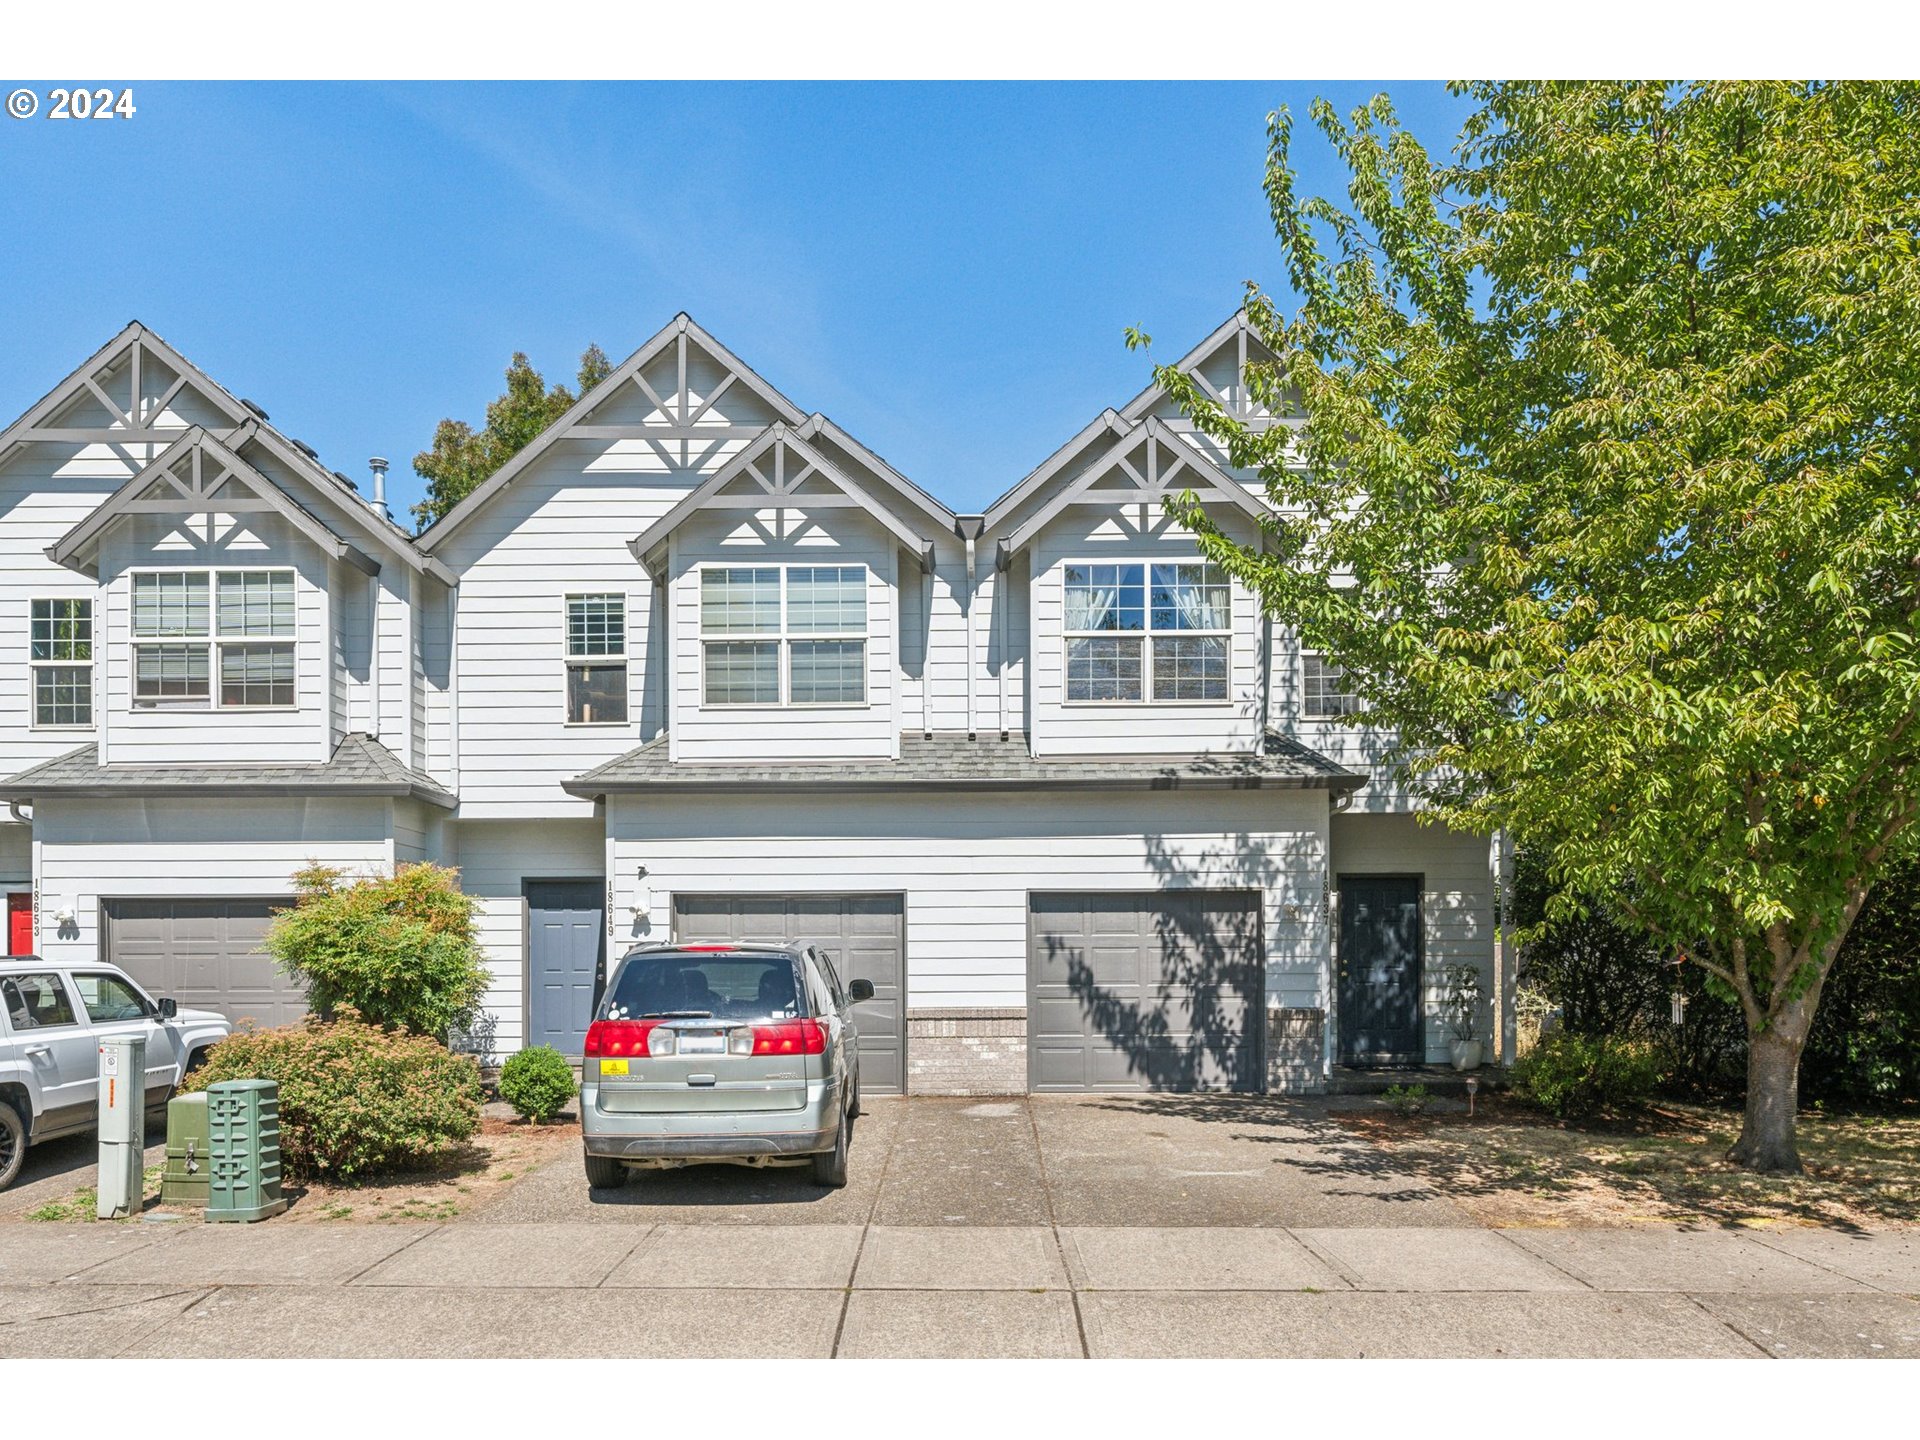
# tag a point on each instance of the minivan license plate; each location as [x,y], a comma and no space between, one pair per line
[697,1042]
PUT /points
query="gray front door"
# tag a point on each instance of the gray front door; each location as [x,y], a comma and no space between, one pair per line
[566,960]
[1380,970]
[864,936]
[1145,992]
[206,954]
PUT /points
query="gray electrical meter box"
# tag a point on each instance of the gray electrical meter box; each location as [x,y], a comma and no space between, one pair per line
[123,1125]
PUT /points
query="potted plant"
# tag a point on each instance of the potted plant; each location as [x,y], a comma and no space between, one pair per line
[1460,1003]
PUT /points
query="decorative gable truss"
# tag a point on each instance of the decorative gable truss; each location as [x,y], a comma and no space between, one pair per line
[200,475]
[786,474]
[1129,466]
[137,396]
[683,396]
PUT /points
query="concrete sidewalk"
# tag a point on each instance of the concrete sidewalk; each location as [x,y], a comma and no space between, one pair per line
[647,1288]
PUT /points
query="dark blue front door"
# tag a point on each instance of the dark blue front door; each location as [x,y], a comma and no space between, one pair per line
[566,960]
[1380,1021]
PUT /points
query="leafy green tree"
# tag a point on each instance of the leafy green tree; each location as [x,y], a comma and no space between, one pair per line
[461,457]
[398,949]
[1605,498]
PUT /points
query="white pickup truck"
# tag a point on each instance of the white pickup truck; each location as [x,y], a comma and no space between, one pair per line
[52,1020]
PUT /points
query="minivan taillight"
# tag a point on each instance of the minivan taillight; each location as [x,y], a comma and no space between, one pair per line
[619,1037]
[790,1037]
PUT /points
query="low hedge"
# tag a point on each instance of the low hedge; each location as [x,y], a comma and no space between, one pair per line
[1574,1076]
[538,1082]
[355,1100]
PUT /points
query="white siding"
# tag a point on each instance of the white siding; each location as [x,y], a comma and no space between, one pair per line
[1061,727]
[966,864]
[1456,900]
[496,859]
[757,732]
[91,850]
[301,734]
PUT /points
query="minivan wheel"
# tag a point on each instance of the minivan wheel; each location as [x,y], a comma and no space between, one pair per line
[605,1174]
[830,1168]
[13,1143]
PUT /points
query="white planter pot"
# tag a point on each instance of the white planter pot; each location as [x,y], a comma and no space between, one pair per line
[1468,1054]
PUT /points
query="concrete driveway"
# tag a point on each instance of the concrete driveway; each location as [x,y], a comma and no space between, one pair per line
[1087,1227]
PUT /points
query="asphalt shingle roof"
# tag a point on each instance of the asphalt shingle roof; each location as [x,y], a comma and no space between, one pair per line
[360,765]
[955,761]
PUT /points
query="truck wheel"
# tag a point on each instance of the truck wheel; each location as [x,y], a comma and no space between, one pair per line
[605,1174]
[13,1143]
[830,1168]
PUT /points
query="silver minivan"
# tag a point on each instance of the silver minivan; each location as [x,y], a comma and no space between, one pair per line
[743,1054]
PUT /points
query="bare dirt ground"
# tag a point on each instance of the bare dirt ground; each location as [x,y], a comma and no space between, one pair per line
[1509,1165]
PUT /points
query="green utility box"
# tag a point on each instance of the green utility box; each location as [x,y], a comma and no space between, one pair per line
[243,1133]
[189,1152]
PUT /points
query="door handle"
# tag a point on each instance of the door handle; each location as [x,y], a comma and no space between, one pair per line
[38,1050]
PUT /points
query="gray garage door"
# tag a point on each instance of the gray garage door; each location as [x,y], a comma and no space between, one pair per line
[205,954]
[1145,992]
[864,935]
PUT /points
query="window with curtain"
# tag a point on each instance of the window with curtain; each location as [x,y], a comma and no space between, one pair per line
[191,625]
[783,635]
[1147,632]
[60,655]
[596,659]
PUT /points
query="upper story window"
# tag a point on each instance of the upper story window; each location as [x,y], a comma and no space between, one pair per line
[1149,632]
[783,634]
[596,659]
[61,658]
[191,625]
[1323,689]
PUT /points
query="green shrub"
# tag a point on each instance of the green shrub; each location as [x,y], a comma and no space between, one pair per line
[355,1099]
[400,949]
[1573,1076]
[1406,1100]
[537,1082]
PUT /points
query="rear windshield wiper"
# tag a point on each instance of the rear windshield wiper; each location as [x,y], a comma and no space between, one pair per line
[678,1015]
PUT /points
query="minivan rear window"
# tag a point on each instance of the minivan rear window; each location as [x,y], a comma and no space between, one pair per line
[726,986]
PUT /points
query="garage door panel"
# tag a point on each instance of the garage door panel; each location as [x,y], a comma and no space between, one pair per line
[863,935]
[205,954]
[1145,992]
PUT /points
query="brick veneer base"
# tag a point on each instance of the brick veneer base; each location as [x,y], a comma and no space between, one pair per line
[967,1052]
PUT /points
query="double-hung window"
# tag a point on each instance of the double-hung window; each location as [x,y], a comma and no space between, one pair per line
[596,659]
[1323,689]
[1157,632]
[221,638]
[61,658]
[783,634]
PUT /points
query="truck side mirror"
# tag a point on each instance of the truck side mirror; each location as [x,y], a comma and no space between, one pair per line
[858,990]
[169,1008]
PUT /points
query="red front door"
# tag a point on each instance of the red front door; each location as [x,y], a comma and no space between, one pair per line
[20,924]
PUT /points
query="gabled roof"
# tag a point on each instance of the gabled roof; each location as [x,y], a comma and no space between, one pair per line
[685,420]
[359,766]
[778,472]
[1170,463]
[953,761]
[1236,330]
[198,475]
[149,421]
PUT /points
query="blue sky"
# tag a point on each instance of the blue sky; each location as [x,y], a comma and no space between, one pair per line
[945,270]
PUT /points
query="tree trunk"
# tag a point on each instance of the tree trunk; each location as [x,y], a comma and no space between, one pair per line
[1773,1099]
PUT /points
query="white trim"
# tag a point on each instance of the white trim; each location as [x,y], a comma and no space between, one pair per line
[213,640]
[1146,635]
[783,638]
[570,662]
[91,664]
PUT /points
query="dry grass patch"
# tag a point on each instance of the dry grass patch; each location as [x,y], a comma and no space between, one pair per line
[1510,1165]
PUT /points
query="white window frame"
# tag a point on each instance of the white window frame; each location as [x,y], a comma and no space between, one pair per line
[213,640]
[571,662]
[90,664]
[1326,717]
[1146,634]
[784,637]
